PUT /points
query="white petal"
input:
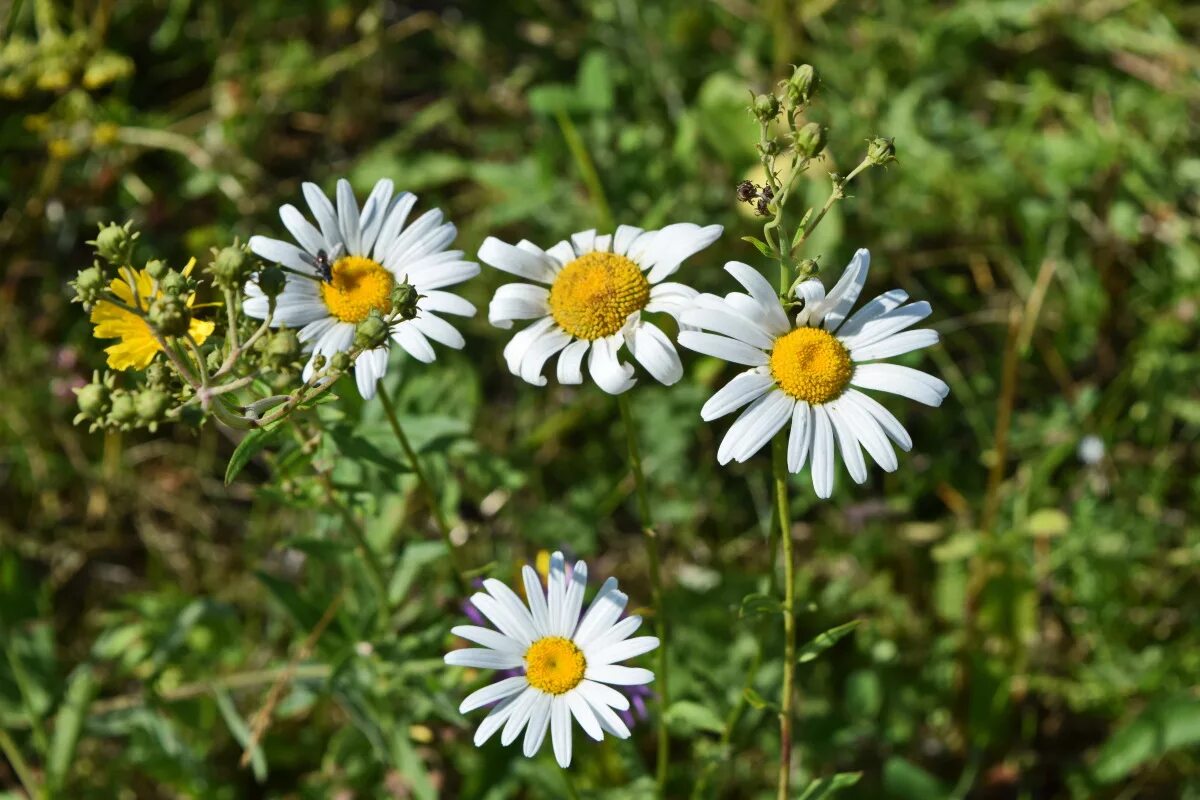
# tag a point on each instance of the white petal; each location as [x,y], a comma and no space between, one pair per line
[539,719]
[516,261]
[323,212]
[800,438]
[581,709]
[518,301]
[393,223]
[654,351]
[446,303]
[570,360]
[481,658]
[348,218]
[414,343]
[294,314]
[562,254]
[584,241]
[847,443]
[822,453]
[600,695]
[618,675]
[625,236]
[277,252]
[513,627]
[489,638]
[607,371]
[843,294]
[609,721]
[620,651]
[723,347]
[373,213]
[497,717]
[515,350]
[604,611]
[436,328]
[892,322]
[603,243]
[557,588]
[560,730]
[744,388]
[511,603]
[539,352]
[869,433]
[763,294]
[537,601]
[425,237]
[891,426]
[670,298]
[872,310]
[761,420]
[671,245]
[491,693]
[896,345]
[525,702]
[369,367]
[728,323]
[572,601]
[448,272]
[905,381]
[812,292]
[618,632]
[302,230]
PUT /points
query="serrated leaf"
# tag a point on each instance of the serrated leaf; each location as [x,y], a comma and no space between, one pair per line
[823,788]
[760,245]
[68,723]
[823,641]
[247,448]
[687,717]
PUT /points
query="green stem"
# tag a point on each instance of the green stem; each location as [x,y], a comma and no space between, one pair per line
[569,782]
[587,170]
[779,454]
[430,496]
[656,588]
[20,766]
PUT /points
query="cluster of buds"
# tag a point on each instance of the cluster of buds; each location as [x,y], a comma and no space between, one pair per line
[791,98]
[103,404]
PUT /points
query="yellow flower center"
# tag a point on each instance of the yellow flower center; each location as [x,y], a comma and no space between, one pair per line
[554,665]
[811,364]
[593,295]
[359,285]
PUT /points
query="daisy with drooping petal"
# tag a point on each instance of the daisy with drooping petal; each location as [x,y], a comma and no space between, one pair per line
[567,661]
[138,345]
[589,296]
[809,373]
[369,251]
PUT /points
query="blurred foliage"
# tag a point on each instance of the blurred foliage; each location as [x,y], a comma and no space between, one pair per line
[1024,604]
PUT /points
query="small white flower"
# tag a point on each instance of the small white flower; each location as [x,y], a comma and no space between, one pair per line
[566,663]
[806,373]
[370,251]
[1090,450]
[593,294]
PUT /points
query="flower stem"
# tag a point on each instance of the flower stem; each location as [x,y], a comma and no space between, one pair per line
[430,496]
[656,588]
[779,456]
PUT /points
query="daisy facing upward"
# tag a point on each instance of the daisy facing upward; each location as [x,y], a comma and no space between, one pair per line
[348,266]
[809,371]
[589,296]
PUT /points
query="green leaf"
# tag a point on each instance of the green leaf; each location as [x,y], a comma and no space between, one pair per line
[904,780]
[1165,725]
[67,726]
[757,700]
[247,448]
[824,641]
[686,717]
[241,732]
[594,82]
[828,787]
[416,557]
[758,603]
[760,245]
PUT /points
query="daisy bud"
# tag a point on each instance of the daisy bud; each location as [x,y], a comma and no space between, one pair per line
[89,285]
[157,375]
[339,362]
[371,332]
[156,269]
[169,314]
[283,348]
[93,400]
[404,300]
[173,284]
[803,84]
[230,268]
[114,243]
[123,411]
[271,280]
[151,404]
[766,107]
[881,150]
[810,140]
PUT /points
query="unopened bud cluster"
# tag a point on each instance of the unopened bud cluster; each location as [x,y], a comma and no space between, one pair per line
[791,98]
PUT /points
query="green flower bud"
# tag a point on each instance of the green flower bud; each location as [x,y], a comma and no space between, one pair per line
[213,360]
[89,285]
[283,348]
[93,400]
[114,243]
[881,150]
[151,404]
[156,269]
[230,268]
[803,84]
[122,410]
[810,140]
[771,147]
[318,362]
[404,300]
[271,280]
[170,315]
[173,284]
[766,107]
[339,362]
[371,332]
[158,374]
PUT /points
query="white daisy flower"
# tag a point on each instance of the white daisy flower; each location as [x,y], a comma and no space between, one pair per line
[370,251]
[567,664]
[810,373]
[593,295]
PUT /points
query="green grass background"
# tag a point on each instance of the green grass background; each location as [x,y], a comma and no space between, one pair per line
[1028,621]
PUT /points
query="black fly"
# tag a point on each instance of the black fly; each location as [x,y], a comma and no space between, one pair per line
[324,268]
